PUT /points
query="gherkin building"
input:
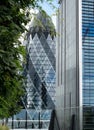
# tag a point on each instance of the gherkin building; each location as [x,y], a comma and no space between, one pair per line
[40,69]
[40,73]
[41,66]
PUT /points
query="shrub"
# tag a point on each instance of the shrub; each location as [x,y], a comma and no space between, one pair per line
[4,127]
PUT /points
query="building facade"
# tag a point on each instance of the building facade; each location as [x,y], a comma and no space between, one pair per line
[41,63]
[40,75]
[75,65]
[41,68]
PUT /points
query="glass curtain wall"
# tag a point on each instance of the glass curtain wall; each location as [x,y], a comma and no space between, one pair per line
[40,75]
[88,63]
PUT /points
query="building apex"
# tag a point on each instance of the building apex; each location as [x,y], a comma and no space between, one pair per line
[42,22]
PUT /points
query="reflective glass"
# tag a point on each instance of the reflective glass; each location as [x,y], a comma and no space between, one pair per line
[88,62]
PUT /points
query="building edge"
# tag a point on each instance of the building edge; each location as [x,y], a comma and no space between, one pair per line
[80,65]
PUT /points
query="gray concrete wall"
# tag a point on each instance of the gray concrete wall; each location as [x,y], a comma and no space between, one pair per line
[67,68]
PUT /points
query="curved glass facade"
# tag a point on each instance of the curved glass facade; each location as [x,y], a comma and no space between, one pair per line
[40,73]
[88,63]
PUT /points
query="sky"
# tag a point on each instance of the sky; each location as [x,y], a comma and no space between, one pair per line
[50,10]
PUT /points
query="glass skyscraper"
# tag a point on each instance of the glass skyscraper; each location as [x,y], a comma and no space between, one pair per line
[41,68]
[40,73]
[88,63]
[75,65]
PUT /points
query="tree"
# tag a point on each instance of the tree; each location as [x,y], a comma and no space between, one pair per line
[13,18]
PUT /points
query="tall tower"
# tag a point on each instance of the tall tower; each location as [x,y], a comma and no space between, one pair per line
[75,65]
[40,69]
[40,73]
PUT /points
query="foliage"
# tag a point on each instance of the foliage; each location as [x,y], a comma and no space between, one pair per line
[13,17]
[4,127]
[42,23]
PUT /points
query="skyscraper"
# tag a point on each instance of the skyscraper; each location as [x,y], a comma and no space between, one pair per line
[75,65]
[40,69]
[40,73]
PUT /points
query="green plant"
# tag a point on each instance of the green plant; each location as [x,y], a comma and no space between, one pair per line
[4,127]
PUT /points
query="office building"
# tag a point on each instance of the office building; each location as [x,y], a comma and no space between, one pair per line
[75,65]
[41,63]
[41,68]
[40,73]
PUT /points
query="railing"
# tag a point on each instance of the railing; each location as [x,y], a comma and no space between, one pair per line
[28,124]
[28,119]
